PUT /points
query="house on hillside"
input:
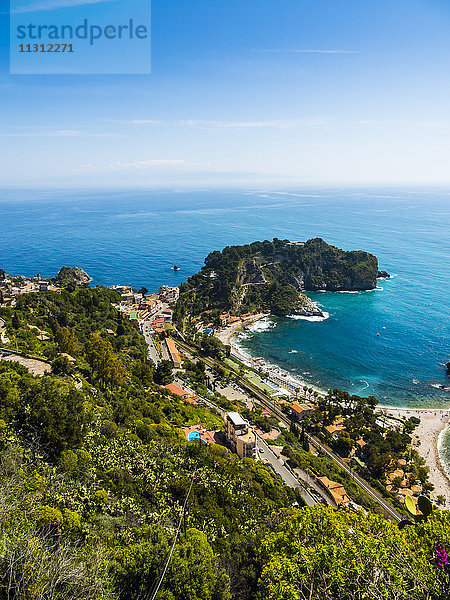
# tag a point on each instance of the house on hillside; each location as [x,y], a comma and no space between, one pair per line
[189,397]
[335,428]
[240,436]
[173,353]
[71,359]
[335,490]
[299,411]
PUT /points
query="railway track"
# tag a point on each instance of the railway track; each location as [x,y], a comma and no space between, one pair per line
[387,508]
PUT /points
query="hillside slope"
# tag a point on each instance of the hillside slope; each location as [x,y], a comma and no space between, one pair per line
[272,276]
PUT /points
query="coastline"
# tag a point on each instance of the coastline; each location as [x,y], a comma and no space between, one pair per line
[227,335]
[427,440]
[427,437]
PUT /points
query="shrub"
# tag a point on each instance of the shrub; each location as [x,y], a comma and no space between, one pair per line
[71,520]
[108,429]
[45,515]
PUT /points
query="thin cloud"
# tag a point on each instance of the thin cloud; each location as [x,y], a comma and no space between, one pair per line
[54,5]
[71,133]
[149,165]
[211,125]
[309,51]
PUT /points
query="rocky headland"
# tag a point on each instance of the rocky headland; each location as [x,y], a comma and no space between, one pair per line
[271,277]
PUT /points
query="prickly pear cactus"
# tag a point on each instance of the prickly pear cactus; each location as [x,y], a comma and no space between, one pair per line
[425,506]
[410,506]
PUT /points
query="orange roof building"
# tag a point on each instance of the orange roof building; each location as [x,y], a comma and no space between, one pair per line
[301,410]
[336,427]
[173,353]
[336,490]
[175,389]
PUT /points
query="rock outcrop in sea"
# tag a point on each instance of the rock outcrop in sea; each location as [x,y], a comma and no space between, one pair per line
[383,275]
[306,308]
[68,275]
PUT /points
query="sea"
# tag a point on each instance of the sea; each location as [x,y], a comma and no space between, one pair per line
[391,342]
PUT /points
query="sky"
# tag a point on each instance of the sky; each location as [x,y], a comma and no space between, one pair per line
[296,92]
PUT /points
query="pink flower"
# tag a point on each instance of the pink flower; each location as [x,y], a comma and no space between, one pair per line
[440,556]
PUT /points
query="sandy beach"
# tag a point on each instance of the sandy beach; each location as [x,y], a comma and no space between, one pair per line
[432,423]
[425,438]
[226,335]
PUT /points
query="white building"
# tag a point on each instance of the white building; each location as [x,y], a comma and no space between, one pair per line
[239,435]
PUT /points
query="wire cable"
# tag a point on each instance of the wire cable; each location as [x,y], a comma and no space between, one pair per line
[161,579]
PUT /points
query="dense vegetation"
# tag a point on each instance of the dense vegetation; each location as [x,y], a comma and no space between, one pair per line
[269,276]
[95,472]
[95,469]
[319,554]
[68,276]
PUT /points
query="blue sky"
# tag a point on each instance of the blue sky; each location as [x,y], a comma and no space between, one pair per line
[295,92]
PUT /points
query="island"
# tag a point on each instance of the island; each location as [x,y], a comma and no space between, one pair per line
[272,276]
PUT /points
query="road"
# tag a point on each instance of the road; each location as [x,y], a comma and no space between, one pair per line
[265,452]
[313,487]
[5,340]
[153,353]
[387,508]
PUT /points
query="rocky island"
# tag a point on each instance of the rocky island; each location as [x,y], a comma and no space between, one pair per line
[272,276]
[75,275]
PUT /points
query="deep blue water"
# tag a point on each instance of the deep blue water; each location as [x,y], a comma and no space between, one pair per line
[137,236]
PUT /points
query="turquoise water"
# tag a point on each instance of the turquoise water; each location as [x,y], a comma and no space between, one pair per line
[137,236]
[444,450]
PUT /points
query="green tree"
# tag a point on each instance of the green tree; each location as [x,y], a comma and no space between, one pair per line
[344,443]
[193,572]
[62,366]
[52,415]
[143,370]
[11,379]
[15,322]
[106,365]
[321,554]
[213,347]
[67,341]
[163,374]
